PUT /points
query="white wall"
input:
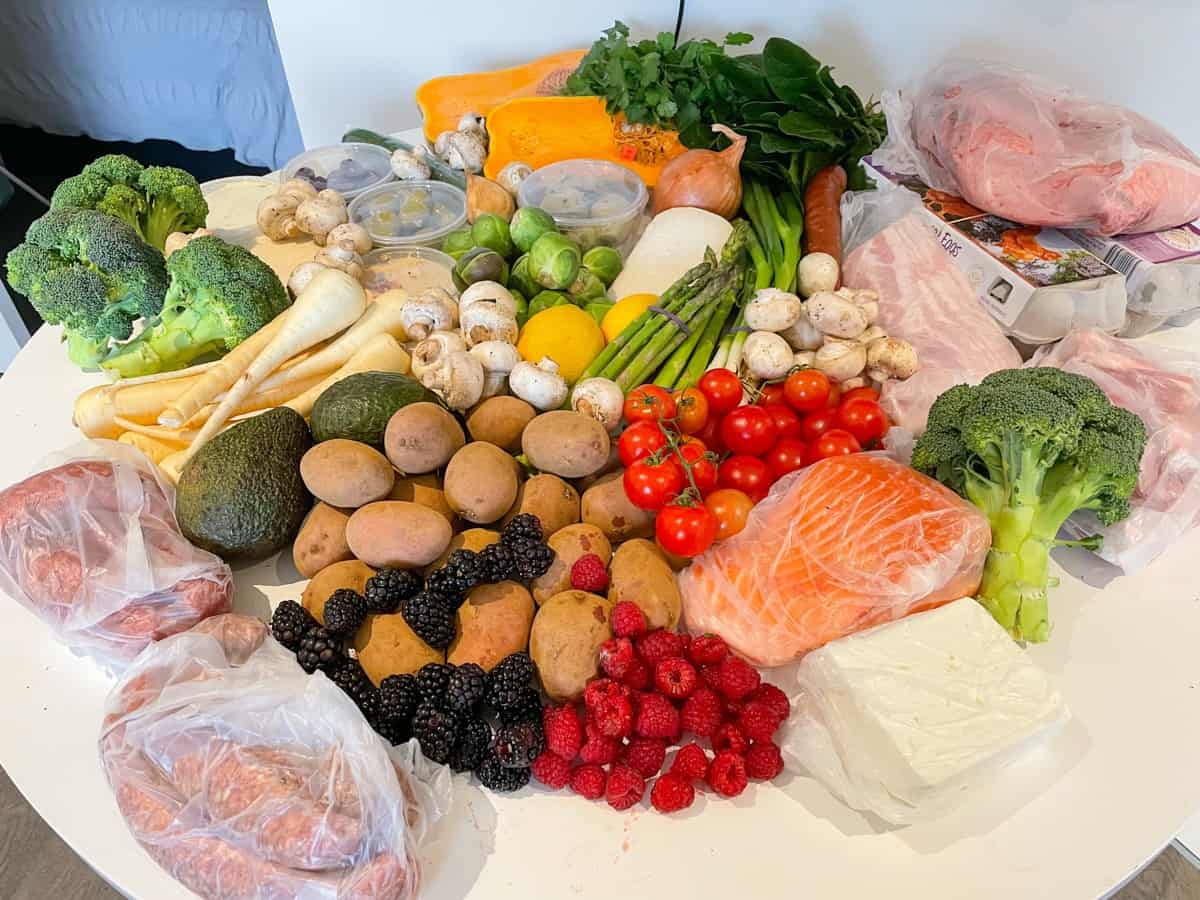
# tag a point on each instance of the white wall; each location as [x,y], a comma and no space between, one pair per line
[357,62]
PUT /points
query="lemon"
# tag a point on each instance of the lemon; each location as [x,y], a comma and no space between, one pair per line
[625,311]
[567,335]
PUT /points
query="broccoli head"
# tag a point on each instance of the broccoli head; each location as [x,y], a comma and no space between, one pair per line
[220,294]
[90,273]
[1030,447]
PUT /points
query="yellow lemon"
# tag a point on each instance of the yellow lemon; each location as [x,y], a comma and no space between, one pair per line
[625,311]
[567,335]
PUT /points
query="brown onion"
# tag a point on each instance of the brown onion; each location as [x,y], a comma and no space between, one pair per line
[705,179]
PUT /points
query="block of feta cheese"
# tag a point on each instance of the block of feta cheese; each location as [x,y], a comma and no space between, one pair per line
[903,718]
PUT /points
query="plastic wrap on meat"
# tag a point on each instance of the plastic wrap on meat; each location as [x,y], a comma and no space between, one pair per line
[247,779]
[91,546]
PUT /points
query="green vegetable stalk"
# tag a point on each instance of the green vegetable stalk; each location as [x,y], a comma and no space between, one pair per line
[703,351]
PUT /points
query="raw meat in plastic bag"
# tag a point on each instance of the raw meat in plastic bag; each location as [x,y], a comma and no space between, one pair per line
[1020,146]
[923,298]
[90,545]
[1162,386]
[842,545]
[247,779]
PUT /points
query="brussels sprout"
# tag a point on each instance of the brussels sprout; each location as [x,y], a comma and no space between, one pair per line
[545,300]
[491,231]
[604,263]
[480,264]
[554,261]
[456,243]
[598,309]
[520,278]
[585,288]
[528,224]
[522,311]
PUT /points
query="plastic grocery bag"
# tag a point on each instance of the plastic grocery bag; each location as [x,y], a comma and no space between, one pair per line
[1020,146]
[1162,386]
[247,779]
[90,545]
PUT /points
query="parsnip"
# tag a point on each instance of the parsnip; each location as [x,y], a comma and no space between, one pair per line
[156,450]
[382,353]
[176,438]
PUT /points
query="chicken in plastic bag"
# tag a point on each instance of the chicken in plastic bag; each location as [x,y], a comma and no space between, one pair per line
[90,545]
[1018,145]
[1162,386]
[247,779]
[842,545]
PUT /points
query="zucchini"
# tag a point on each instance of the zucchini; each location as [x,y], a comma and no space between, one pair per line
[438,169]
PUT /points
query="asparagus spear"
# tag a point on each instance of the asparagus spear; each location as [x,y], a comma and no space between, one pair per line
[703,350]
[661,349]
[673,367]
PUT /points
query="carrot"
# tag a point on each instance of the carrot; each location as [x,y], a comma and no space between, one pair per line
[823,214]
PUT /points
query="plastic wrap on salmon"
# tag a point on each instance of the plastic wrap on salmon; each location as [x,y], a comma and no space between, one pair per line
[842,545]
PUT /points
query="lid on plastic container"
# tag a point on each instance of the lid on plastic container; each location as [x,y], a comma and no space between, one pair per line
[413,269]
[410,212]
[591,193]
[349,169]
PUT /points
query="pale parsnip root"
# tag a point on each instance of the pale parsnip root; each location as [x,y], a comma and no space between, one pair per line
[382,353]
[156,450]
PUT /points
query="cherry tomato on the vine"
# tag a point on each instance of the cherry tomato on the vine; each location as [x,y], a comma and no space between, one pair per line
[722,388]
[835,396]
[691,410]
[787,455]
[834,442]
[711,433]
[749,430]
[685,530]
[649,403]
[787,423]
[816,424]
[731,508]
[770,394]
[748,474]
[702,464]
[650,485]
[860,393]
[807,390]
[864,419]
[639,440]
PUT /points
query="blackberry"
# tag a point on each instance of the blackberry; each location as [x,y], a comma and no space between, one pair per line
[350,677]
[399,696]
[394,731]
[289,622]
[437,730]
[526,526]
[499,562]
[432,681]
[508,682]
[432,618]
[448,586]
[464,688]
[526,708]
[532,559]
[345,611]
[388,588]
[319,650]
[462,571]
[474,741]
[517,746]
[495,777]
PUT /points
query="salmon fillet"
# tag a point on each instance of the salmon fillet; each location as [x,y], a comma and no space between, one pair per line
[845,544]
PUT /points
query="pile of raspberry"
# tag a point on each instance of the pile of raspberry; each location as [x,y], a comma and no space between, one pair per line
[661,690]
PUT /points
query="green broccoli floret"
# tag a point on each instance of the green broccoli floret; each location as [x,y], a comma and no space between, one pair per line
[174,202]
[90,273]
[220,294]
[1030,447]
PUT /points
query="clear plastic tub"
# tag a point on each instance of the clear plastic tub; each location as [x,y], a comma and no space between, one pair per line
[349,169]
[594,201]
[411,269]
[410,213]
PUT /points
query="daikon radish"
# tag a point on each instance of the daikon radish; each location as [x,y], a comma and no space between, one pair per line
[382,353]
[156,450]
[672,243]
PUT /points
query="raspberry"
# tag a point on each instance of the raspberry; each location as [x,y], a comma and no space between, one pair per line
[646,755]
[625,787]
[671,793]
[675,678]
[685,642]
[730,738]
[758,722]
[764,761]
[773,698]
[564,734]
[657,646]
[691,762]
[731,709]
[736,678]
[727,774]
[638,676]
[656,717]
[702,712]
[552,770]
[599,691]
[598,749]
[609,707]
[628,620]
[589,781]
[617,657]
[711,676]
[707,650]
[588,573]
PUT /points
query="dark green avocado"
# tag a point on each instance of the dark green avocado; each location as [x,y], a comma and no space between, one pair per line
[359,406]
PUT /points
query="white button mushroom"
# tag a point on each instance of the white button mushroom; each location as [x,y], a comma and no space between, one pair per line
[177,240]
[511,176]
[816,272]
[891,358]
[767,355]
[353,234]
[488,312]
[407,166]
[841,359]
[464,150]
[341,257]
[601,399]
[429,353]
[771,309]
[457,377]
[431,310]
[836,316]
[540,386]
[319,215]
[497,359]
[803,335]
[805,359]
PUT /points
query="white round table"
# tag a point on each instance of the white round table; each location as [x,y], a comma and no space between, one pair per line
[1072,821]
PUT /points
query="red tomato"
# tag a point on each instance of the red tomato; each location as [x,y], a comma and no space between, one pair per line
[817,423]
[701,463]
[639,440]
[722,388]
[807,390]
[685,530]
[711,433]
[649,403]
[787,423]
[649,485]
[770,394]
[834,442]
[749,430]
[731,509]
[860,393]
[691,410]
[835,396]
[787,455]
[864,419]
[748,474]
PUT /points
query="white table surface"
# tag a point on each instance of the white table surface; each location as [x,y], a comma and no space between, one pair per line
[1070,822]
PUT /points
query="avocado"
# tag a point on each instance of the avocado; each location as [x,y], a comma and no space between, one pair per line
[241,496]
[358,407]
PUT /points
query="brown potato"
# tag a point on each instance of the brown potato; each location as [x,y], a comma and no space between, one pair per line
[346,473]
[605,505]
[472,539]
[552,500]
[500,421]
[481,482]
[641,573]
[565,443]
[568,545]
[425,490]
[421,437]
[493,623]
[387,646]
[350,574]
[321,540]
[565,642]
[398,534]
